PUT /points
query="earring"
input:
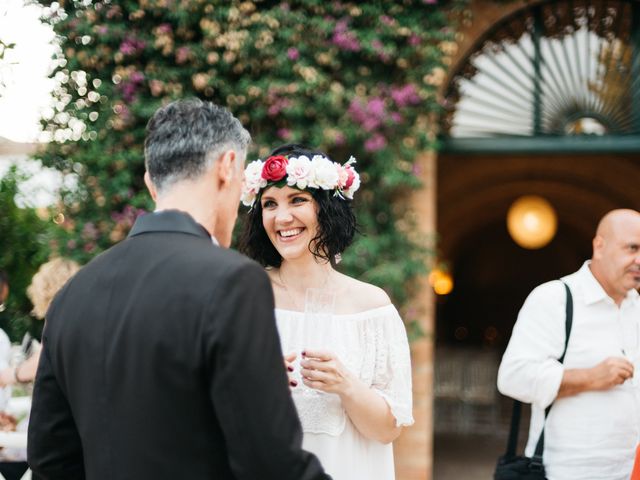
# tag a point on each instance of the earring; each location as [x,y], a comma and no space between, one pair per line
[3,307]
[337,258]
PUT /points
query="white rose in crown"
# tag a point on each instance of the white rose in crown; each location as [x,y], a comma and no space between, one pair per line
[324,173]
[298,172]
[253,182]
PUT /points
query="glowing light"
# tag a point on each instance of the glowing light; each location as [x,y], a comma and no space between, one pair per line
[441,281]
[532,222]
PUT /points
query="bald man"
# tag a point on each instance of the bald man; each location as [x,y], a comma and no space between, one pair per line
[594,425]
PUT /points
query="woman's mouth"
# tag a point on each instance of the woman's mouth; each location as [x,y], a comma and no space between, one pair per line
[289,234]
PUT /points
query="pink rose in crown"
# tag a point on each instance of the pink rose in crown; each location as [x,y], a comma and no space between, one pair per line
[351,175]
[343,176]
[275,168]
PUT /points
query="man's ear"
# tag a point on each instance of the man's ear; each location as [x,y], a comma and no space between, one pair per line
[226,167]
[150,186]
[598,245]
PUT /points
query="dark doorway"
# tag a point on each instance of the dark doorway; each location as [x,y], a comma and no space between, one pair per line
[493,276]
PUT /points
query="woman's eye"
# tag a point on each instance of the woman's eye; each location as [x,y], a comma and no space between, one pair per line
[299,200]
[268,204]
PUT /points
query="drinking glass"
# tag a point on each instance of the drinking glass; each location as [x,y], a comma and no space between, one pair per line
[319,307]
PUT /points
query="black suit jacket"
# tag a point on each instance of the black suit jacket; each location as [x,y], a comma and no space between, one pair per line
[161,360]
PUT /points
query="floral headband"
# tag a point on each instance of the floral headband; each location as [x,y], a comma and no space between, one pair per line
[300,172]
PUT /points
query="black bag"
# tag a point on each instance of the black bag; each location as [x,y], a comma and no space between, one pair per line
[518,467]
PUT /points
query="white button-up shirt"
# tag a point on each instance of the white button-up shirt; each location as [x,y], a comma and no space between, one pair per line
[592,435]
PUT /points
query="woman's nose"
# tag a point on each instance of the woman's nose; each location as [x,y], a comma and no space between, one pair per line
[283,215]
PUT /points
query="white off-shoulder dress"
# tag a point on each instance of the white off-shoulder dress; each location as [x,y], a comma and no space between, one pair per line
[373,345]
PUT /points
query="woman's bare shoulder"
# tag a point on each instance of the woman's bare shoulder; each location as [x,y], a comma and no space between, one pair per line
[365,295]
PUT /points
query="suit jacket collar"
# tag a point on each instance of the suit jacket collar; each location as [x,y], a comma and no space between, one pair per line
[168,221]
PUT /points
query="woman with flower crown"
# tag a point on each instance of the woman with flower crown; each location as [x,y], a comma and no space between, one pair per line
[352,392]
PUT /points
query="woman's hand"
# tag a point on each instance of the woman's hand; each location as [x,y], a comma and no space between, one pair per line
[288,363]
[322,370]
[368,411]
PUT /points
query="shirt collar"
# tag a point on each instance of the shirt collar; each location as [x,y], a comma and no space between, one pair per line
[591,288]
[169,221]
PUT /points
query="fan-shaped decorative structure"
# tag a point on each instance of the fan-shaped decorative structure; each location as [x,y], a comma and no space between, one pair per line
[552,69]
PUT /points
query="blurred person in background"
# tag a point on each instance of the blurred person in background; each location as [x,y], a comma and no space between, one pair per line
[48,280]
[592,430]
[5,344]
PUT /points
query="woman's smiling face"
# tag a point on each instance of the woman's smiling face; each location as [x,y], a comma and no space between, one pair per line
[290,218]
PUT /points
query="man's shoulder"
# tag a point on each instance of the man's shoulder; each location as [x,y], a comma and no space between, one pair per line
[191,257]
[550,292]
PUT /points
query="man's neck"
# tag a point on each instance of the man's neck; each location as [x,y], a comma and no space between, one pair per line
[188,198]
[616,296]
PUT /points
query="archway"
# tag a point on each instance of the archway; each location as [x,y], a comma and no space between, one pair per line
[513,128]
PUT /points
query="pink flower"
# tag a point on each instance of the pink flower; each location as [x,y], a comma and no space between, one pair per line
[277,104]
[375,143]
[346,176]
[275,168]
[89,231]
[387,20]
[293,54]
[404,96]
[183,54]
[299,172]
[131,46]
[284,133]
[344,39]
[163,29]
[414,40]
[376,107]
[395,117]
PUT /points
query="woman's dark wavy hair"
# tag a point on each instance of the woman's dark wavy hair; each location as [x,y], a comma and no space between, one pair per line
[336,222]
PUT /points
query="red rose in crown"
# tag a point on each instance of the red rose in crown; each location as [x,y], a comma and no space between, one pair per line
[275,168]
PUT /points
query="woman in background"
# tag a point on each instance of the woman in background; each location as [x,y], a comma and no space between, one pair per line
[48,280]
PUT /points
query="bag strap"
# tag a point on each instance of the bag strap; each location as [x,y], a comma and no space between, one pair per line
[512,442]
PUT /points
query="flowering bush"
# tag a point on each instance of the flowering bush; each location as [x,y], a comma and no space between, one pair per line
[344,76]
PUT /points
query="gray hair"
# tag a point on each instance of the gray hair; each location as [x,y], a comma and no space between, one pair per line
[185,137]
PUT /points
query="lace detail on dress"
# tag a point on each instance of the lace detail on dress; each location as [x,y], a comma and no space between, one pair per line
[393,369]
[373,345]
[319,412]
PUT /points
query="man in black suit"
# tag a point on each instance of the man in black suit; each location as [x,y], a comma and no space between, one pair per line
[161,358]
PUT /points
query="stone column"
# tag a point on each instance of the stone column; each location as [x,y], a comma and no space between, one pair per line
[414,448]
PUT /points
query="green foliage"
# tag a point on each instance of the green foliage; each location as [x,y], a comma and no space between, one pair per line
[23,248]
[4,48]
[352,78]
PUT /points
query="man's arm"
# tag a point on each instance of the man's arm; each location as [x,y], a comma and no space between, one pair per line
[54,449]
[607,374]
[249,387]
[530,370]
